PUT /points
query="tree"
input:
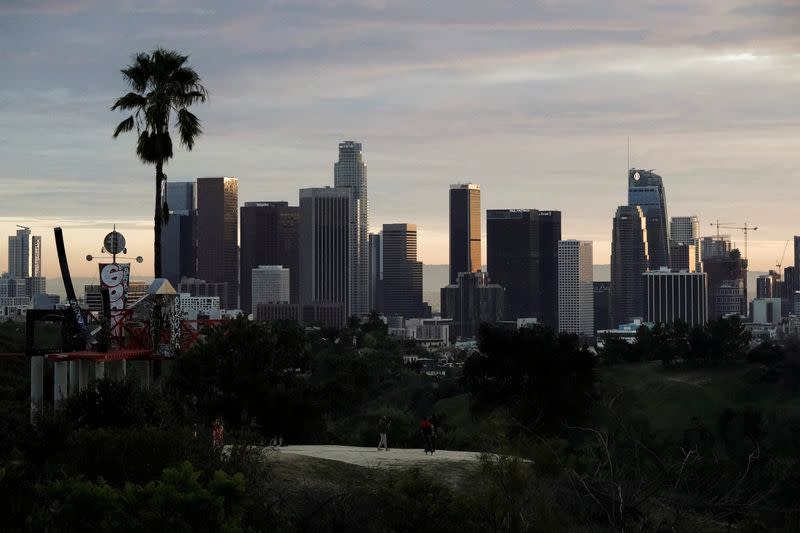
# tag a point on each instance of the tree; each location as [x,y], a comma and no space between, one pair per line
[542,378]
[162,84]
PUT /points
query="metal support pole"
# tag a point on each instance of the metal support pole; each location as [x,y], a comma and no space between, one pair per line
[37,386]
[60,381]
[74,372]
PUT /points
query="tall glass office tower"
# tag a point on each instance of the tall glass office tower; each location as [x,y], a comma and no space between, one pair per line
[646,189]
[351,172]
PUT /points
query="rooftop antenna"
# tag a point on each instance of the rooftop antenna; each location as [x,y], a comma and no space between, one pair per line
[627,170]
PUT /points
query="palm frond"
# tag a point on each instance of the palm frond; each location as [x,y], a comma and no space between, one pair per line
[125,125]
[138,74]
[189,127]
[129,101]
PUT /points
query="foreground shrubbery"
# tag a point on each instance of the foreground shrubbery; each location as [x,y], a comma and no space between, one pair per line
[574,453]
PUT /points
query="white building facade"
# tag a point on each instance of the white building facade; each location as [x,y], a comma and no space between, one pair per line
[575,290]
[270,285]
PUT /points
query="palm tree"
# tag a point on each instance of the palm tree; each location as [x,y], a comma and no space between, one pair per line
[161,84]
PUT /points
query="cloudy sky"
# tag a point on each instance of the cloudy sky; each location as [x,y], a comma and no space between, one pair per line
[532,99]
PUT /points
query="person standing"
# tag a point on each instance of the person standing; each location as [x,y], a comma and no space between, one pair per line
[426,428]
[383,429]
[218,434]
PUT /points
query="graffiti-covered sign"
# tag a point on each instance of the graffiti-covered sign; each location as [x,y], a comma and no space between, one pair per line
[115,278]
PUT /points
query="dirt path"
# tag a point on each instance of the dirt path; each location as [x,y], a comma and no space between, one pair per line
[371,458]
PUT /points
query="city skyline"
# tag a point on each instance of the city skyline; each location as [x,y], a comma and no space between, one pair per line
[496,98]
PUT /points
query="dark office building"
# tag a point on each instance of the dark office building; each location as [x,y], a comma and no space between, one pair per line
[471,302]
[522,257]
[465,229]
[549,223]
[269,237]
[178,247]
[629,258]
[402,273]
[218,233]
[791,284]
[512,259]
[602,305]
[727,284]
[764,287]
[797,251]
[646,189]
[669,296]
[326,243]
[375,272]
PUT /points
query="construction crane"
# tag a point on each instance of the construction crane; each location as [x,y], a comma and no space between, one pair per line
[24,227]
[779,264]
[729,225]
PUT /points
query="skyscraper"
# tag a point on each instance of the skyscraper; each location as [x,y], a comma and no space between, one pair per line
[376,272]
[682,256]
[727,284]
[465,229]
[36,256]
[669,296]
[269,236]
[522,257]
[512,259]
[797,251]
[575,290]
[549,223]
[326,258]
[646,189]
[402,273]
[684,229]
[19,254]
[269,285]
[472,301]
[351,172]
[178,246]
[629,258]
[602,309]
[217,234]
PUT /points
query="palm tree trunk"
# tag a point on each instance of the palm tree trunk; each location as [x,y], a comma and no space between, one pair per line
[157,221]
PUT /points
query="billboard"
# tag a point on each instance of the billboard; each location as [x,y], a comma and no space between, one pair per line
[115,278]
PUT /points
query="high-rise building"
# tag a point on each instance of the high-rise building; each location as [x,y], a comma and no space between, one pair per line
[471,302]
[549,223]
[575,290]
[682,256]
[797,251]
[670,295]
[465,229]
[684,229]
[201,288]
[629,258]
[178,246]
[791,284]
[727,284]
[602,305]
[218,234]
[646,189]
[36,257]
[402,273]
[764,286]
[270,285]
[512,259]
[376,272]
[350,172]
[326,258]
[19,254]
[715,246]
[522,257]
[766,310]
[269,236]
